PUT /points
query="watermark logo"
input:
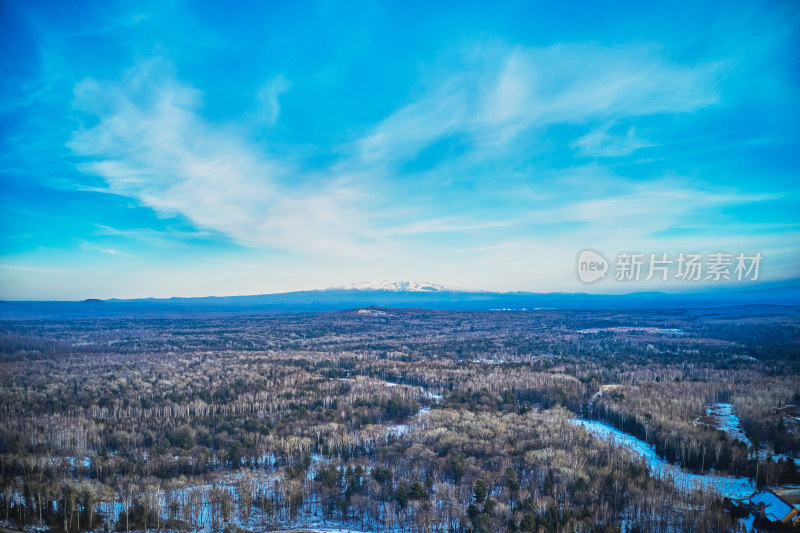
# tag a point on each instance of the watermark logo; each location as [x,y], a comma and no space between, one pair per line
[631,266]
[591,266]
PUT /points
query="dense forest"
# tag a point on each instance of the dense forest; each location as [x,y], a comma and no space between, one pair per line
[394,420]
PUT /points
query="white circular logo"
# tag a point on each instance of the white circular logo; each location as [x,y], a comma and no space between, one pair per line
[591,266]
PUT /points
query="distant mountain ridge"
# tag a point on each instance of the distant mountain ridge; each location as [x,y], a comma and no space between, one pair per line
[404,294]
[398,286]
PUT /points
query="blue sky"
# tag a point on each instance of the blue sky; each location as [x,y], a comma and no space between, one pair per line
[186,149]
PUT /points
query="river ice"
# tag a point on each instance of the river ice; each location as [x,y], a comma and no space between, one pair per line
[732,487]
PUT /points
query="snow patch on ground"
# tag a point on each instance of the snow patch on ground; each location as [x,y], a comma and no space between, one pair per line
[722,416]
[727,420]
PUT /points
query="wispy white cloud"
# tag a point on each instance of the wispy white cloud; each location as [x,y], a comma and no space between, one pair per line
[92,247]
[25,268]
[600,142]
[152,144]
[148,233]
[645,208]
[268,98]
[441,225]
[510,91]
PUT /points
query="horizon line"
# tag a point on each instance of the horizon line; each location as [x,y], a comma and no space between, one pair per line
[706,289]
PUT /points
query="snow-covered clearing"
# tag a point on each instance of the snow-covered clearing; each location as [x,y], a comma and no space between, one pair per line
[723,417]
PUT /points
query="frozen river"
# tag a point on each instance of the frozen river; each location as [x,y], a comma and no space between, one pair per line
[732,487]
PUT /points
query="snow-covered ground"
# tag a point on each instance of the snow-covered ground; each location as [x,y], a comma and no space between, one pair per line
[199,505]
[428,395]
[404,429]
[722,416]
[725,419]
[196,499]
[732,487]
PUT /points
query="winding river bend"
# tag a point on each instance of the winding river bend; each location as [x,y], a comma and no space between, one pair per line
[731,487]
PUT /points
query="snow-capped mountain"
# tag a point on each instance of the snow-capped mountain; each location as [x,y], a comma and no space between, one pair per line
[397,286]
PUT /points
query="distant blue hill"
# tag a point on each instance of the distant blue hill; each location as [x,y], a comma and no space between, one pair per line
[786,293]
